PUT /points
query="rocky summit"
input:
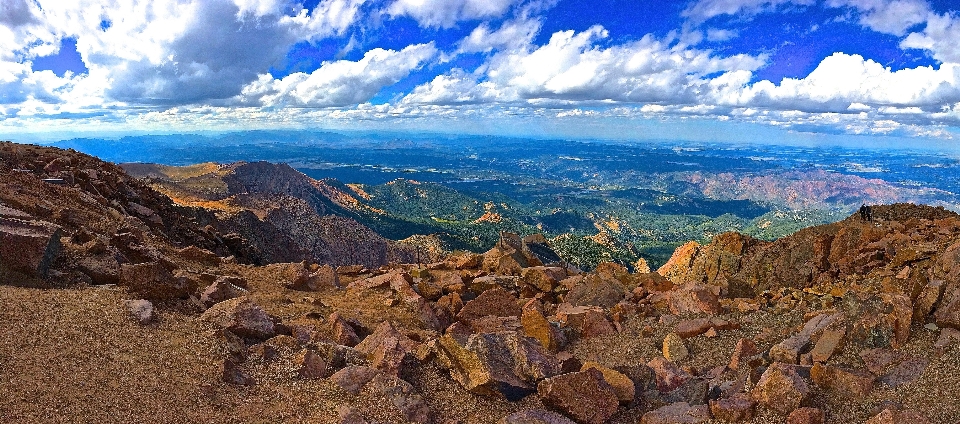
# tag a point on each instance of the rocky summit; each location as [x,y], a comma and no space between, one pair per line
[245,294]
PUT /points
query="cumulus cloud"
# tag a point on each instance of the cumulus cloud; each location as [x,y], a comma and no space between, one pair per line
[572,67]
[890,17]
[446,13]
[339,83]
[841,82]
[161,51]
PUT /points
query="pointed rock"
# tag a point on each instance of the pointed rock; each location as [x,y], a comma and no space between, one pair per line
[781,389]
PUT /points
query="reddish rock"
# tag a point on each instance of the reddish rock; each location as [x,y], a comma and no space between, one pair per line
[252,322]
[343,333]
[310,365]
[948,313]
[504,364]
[667,375]
[350,415]
[622,385]
[893,416]
[948,336]
[744,349]
[535,416]
[542,278]
[140,310]
[781,389]
[496,302]
[352,378]
[537,326]
[386,348]
[677,413]
[402,396]
[596,291]
[806,415]
[154,281]
[584,396]
[788,351]
[595,324]
[737,408]
[221,289]
[830,341]
[880,359]
[905,372]
[900,318]
[233,373]
[693,327]
[694,299]
[27,248]
[842,381]
[673,348]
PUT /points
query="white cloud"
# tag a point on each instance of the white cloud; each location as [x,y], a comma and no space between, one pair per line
[339,83]
[513,34]
[446,13]
[717,35]
[842,80]
[890,17]
[572,67]
[703,10]
[159,51]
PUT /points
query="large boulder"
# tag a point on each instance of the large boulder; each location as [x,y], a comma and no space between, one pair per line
[504,364]
[596,291]
[27,248]
[496,302]
[154,281]
[584,396]
[781,389]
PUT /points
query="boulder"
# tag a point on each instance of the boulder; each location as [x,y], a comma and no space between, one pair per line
[674,349]
[596,291]
[536,326]
[243,317]
[343,333]
[744,349]
[27,249]
[806,415]
[737,408]
[402,396]
[586,321]
[667,375]
[154,281]
[781,389]
[893,416]
[232,372]
[387,348]
[622,385]
[542,278]
[842,381]
[677,413]
[352,378]
[496,302]
[584,396]
[504,364]
[224,288]
[694,298]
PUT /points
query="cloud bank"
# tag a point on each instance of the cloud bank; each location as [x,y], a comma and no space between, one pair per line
[189,64]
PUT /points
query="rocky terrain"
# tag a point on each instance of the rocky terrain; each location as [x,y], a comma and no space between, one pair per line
[121,305]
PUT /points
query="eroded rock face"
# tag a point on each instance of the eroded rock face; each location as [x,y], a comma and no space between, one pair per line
[584,396]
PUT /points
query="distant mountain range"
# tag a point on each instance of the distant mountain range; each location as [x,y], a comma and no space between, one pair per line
[594,201]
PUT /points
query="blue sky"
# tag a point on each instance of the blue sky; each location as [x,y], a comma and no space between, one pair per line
[809,71]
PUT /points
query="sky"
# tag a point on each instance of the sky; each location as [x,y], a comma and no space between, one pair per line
[809,71]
